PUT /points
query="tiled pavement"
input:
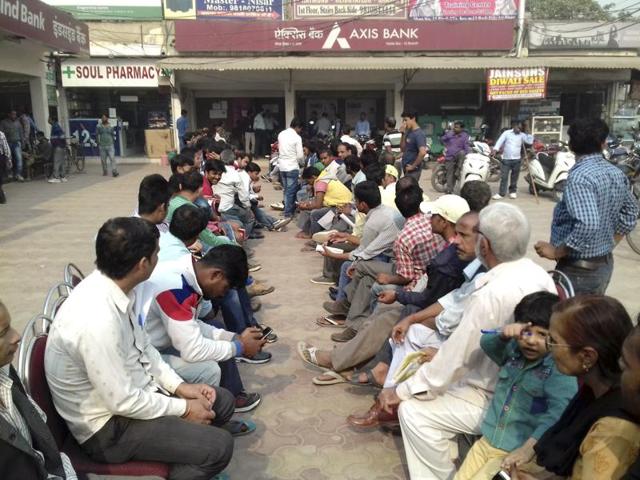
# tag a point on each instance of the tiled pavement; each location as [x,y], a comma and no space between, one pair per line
[301,432]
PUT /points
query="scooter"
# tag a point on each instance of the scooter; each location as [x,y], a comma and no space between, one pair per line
[549,171]
[475,166]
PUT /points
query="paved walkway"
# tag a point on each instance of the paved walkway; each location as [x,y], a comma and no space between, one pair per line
[301,433]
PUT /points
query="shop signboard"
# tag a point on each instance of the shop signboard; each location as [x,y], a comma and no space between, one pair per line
[584,35]
[84,131]
[355,36]
[37,21]
[208,9]
[516,83]
[370,9]
[107,10]
[111,73]
[462,9]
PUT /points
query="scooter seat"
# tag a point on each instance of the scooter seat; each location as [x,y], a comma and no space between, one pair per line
[547,162]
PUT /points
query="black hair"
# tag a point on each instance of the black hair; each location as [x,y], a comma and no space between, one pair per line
[322,150]
[296,123]
[310,172]
[407,114]
[253,167]
[477,194]
[367,192]
[240,154]
[368,157]
[189,152]
[352,164]
[214,165]
[587,136]
[408,201]
[390,121]
[536,308]
[458,123]
[232,260]
[122,242]
[180,161]
[374,173]
[183,112]
[153,192]
[406,182]
[187,222]
[191,181]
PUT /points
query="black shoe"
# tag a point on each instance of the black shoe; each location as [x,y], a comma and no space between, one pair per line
[333,295]
[260,357]
[333,290]
[3,198]
[245,402]
[115,174]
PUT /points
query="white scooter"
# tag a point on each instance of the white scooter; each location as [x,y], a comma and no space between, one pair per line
[549,171]
[475,166]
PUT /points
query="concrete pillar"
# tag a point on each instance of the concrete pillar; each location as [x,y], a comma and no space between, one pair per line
[389,103]
[176,108]
[398,101]
[63,110]
[39,102]
[289,101]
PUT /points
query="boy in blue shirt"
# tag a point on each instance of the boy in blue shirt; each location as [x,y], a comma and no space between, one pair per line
[530,395]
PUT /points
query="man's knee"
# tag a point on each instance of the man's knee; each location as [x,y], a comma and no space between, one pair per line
[207,372]
[224,404]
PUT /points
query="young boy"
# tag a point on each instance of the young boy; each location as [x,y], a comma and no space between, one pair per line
[271,223]
[530,395]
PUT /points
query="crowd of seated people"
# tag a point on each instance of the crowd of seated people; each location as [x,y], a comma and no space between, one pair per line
[432,303]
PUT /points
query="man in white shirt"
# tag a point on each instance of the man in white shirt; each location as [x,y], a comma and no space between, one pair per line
[323,126]
[120,400]
[450,394]
[511,143]
[289,154]
[347,138]
[235,204]
[262,137]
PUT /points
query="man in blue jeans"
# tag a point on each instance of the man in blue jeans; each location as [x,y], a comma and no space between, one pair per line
[289,154]
[511,142]
[12,129]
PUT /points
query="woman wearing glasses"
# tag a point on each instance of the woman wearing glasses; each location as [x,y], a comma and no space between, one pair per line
[596,438]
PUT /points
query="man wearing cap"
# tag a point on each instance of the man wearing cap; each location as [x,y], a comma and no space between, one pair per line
[420,240]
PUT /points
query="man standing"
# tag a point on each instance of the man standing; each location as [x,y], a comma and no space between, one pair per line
[290,153]
[363,129]
[104,138]
[413,145]
[58,143]
[182,125]
[511,143]
[260,130]
[456,141]
[323,126]
[597,210]
[5,163]
[12,129]
[392,137]
[120,400]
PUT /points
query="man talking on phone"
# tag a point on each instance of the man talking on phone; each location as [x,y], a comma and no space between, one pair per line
[413,145]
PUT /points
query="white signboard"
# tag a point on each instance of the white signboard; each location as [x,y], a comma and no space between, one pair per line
[110,73]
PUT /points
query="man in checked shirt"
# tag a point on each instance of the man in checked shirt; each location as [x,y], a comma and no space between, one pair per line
[596,212]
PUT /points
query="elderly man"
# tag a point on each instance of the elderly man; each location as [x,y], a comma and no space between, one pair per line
[450,394]
[120,400]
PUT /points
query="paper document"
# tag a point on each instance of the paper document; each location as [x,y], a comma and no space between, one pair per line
[320,249]
[327,220]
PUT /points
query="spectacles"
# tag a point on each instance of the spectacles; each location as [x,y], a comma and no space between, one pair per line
[550,344]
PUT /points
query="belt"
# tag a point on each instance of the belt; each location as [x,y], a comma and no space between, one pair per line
[592,263]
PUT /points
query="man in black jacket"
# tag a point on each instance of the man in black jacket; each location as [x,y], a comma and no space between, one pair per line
[27,448]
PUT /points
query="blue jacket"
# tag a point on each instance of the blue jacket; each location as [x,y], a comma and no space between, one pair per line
[529,397]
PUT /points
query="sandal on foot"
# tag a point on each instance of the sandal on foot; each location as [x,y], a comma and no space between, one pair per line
[238,428]
[371,381]
[335,321]
[334,378]
[308,355]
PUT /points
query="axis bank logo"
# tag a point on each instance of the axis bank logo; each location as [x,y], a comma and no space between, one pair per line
[409,33]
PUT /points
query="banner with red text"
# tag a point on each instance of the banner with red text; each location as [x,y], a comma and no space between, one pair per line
[516,83]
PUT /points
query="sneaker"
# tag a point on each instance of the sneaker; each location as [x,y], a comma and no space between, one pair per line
[64,179]
[258,358]
[20,178]
[278,224]
[245,402]
[513,195]
[277,206]
[115,173]
[322,280]
[54,180]
[340,307]
[254,267]
[497,196]
[345,335]
[258,288]
[256,236]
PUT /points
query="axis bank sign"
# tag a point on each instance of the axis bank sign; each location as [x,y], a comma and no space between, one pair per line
[226,36]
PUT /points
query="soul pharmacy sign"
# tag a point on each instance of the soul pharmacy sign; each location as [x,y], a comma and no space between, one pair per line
[34,20]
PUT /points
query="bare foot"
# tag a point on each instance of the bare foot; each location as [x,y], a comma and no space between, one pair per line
[324,358]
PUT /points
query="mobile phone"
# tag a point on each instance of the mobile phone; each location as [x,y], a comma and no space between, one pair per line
[266,332]
[501,475]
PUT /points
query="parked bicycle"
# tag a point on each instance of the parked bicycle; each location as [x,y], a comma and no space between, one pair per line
[74,156]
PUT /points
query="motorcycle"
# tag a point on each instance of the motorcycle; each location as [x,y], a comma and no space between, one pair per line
[548,170]
[615,152]
[475,166]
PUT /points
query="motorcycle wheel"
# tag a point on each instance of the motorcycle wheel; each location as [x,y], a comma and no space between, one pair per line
[439,179]
[558,191]
[633,237]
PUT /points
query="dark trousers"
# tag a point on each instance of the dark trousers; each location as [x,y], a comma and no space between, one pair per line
[451,165]
[236,310]
[509,167]
[331,266]
[196,452]
[262,143]
[588,281]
